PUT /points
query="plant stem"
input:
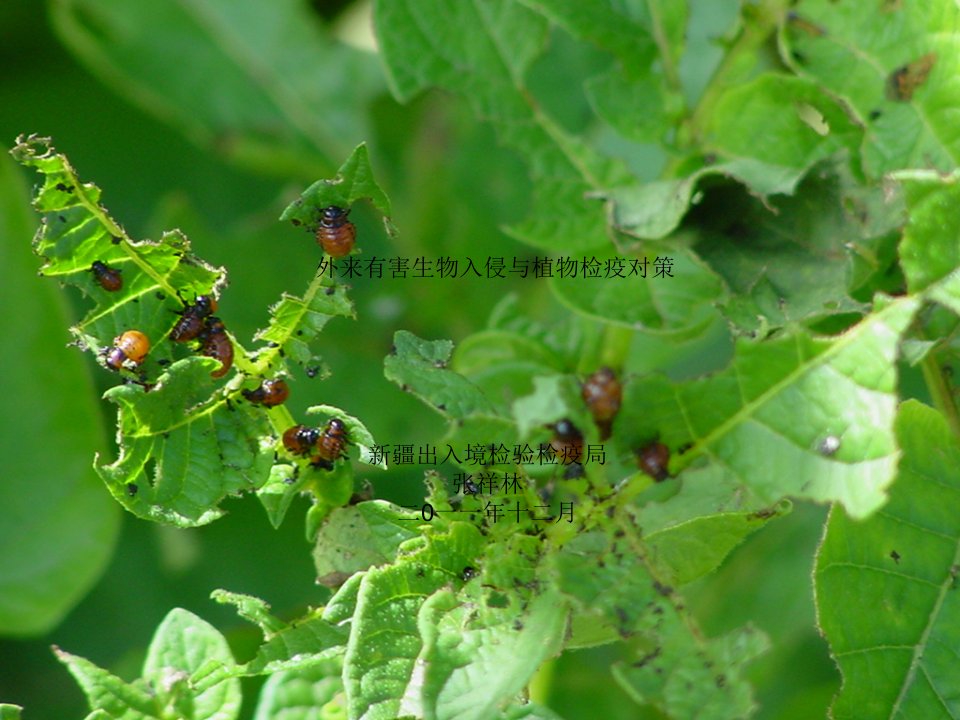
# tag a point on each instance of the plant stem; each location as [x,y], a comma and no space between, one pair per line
[759,21]
[940,391]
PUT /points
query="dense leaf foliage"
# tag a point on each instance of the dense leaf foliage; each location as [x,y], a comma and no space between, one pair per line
[759,259]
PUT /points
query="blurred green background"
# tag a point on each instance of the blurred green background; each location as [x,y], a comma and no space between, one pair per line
[201,151]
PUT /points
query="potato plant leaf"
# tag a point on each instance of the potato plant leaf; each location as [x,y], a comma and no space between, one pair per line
[307,641]
[678,671]
[107,693]
[420,367]
[467,635]
[895,69]
[380,667]
[182,650]
[356,537]
[484,50]
[744,417]
[312,693]
[928,251]
[689,534]
[886,588]
[182,647]
[184,445]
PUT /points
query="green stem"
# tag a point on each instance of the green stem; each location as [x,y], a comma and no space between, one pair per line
[759,22]
[940,391]
[670,72]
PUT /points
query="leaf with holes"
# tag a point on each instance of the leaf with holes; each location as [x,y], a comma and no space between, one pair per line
[842,448]
[380,665]
[886,588]
[677,670]
[895,68]
[176,465]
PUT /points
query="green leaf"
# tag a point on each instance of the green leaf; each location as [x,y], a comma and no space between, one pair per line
[310,641]
[899,658]
[155,476]
[344,602]
[625,29]
[295,321]
[739,135]
[793,264]
[274,104]
[251,608]
[59,527]
[639,97]
[466,636]
[634,108]
[483,51]
[420,367]
[928,251]
[894,68]
[379,667]
[780,124]
[314,693]
[766,418]
[354,538]
[10,712]
[529,711]
[109,693]
[673,293]
[183,645]
[676,670]
[183,463]
[502,363]
[691,533]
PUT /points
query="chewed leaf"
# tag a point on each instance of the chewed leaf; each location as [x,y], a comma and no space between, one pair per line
[467,635]
[354,181]
[184,445]
[746,149]
[296,321]
[420,367]
[154,280]
[301,643]
[354,538]
[886,588]
[675,668]
[690,534]
[380,662]
[182,450]
[896,69]
[744,418]
[357,432]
